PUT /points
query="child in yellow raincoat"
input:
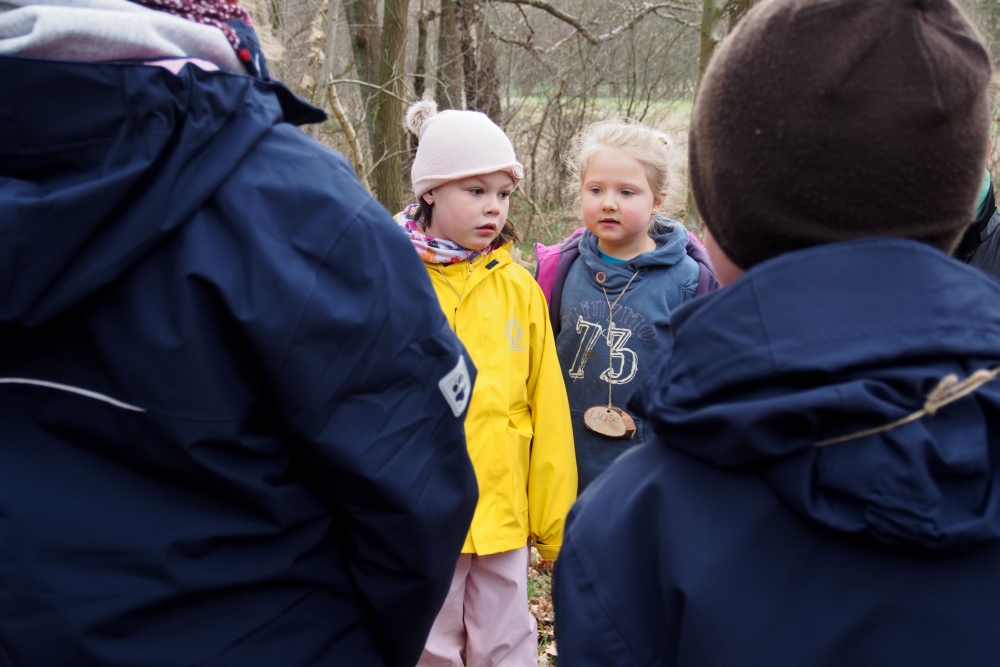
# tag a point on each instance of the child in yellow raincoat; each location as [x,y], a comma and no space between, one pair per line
[518,426]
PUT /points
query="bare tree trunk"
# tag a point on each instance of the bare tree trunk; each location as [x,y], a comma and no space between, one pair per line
[420,69]
[707,42]
[448,91]
[309,84]
[388,144]
[487,74]
[480,80]
[711,16]
[362,19]
[467,11]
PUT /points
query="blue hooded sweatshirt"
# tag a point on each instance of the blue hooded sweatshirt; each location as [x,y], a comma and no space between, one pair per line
[732,540]
[224,435]
[664,279]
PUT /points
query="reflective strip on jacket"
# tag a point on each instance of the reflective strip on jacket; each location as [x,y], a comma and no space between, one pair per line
[518,426]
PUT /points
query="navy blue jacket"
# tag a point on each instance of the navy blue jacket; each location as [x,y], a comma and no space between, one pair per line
[222,435]
[733,540]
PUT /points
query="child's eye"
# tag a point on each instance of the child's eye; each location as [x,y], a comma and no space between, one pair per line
[595,191]
[476,191]
[626,193]
[504,195]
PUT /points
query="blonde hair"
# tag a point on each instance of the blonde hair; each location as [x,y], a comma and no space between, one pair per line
[653,149]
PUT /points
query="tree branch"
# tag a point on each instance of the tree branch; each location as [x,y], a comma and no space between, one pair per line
[678,19]
[384,89]
[559,14]
[582,29]
[351,135]
[385,156]
[528,46]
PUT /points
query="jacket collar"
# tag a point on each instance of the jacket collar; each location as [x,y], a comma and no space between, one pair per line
[478,269]
[670,249]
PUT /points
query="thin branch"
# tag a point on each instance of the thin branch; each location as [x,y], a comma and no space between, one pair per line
[677,19]
[528,46]
[383,89]
[538,135]
[582,29]
[559,14]
[646,10]
[535,210]
[382,159]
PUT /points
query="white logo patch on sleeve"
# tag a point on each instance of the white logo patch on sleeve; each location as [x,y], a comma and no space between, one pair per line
[456,387]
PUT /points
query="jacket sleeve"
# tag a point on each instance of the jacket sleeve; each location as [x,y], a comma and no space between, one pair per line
[552,478]
[359,358]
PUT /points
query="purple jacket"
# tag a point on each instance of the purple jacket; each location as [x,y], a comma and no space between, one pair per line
[554,262]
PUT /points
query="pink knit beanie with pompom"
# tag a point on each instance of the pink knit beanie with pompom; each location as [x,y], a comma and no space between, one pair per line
[457,144]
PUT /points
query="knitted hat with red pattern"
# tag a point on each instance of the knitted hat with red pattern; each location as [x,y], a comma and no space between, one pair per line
[229,17]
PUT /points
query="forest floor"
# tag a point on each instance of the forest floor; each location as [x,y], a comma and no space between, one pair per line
[540,604]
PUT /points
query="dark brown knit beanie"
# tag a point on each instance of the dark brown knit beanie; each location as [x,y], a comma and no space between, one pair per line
[827,120]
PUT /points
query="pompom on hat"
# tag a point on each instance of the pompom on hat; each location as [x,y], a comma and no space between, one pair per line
[457,144]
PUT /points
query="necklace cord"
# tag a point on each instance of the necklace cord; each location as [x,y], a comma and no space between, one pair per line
[611,328]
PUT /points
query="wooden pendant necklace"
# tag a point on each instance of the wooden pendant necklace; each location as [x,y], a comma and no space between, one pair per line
[607,419]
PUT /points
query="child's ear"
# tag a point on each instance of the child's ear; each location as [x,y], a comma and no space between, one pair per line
[428,197]
[658,202]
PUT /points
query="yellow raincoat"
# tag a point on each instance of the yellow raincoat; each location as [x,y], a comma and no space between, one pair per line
[518,426]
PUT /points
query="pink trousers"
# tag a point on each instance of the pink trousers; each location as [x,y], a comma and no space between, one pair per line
[485,620]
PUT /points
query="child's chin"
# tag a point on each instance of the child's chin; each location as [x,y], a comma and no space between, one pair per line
[600,230]
[605,233]
[479,243]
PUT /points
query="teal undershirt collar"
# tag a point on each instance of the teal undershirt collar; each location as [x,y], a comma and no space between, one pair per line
[609,259]
[984,190]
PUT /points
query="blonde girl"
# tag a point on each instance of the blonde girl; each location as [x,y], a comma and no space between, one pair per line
[518,426]
[614,284]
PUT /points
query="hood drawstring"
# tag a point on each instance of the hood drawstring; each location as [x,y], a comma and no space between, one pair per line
[948,390]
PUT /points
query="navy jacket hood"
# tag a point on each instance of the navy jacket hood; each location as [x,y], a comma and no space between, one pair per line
[89,193]
[760,373]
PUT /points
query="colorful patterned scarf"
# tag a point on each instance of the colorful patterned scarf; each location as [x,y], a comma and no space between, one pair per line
[433,250]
